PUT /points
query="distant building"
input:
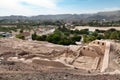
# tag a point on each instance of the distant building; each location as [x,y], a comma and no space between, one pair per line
[44,30]
[5,34]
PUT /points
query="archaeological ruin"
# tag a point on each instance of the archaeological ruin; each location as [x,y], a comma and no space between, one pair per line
[97,56]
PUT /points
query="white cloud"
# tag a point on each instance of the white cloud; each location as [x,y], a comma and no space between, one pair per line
[95,10]
[15,7]
[37,7]
[41,3]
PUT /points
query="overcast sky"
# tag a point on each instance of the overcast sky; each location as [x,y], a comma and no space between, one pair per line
[38,7]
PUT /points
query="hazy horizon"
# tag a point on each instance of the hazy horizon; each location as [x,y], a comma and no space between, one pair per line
[54,7]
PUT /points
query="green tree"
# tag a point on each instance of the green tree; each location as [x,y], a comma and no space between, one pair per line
[21,30]
[66,41]
[76,38]
[114,35]
[88,38]
[94,34]
[54,38]
[34,36]
[107,35]
[42,38]
[99,37]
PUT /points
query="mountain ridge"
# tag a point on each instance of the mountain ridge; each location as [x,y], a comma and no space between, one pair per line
[109,15]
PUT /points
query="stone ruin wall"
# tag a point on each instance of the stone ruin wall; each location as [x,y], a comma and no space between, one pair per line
[94,51]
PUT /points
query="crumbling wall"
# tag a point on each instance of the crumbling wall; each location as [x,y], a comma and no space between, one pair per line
[88,51]
[100,43]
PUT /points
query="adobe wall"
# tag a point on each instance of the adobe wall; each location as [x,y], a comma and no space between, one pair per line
[88,51]
[106,57]
[98,49]
[100,43]
[96,52]
[94,49]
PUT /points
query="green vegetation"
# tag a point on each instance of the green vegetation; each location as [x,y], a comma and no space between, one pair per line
[62,36]
[101,34]
[20,36]
[9,29]
[1,36]
[88,38]
[27,23]
[65,36]
[34,36]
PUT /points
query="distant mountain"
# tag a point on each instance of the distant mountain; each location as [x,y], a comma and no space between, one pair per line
[111,15]
[13,17]
[66,17]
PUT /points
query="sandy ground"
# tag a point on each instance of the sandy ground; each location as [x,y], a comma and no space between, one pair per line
[55,76]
